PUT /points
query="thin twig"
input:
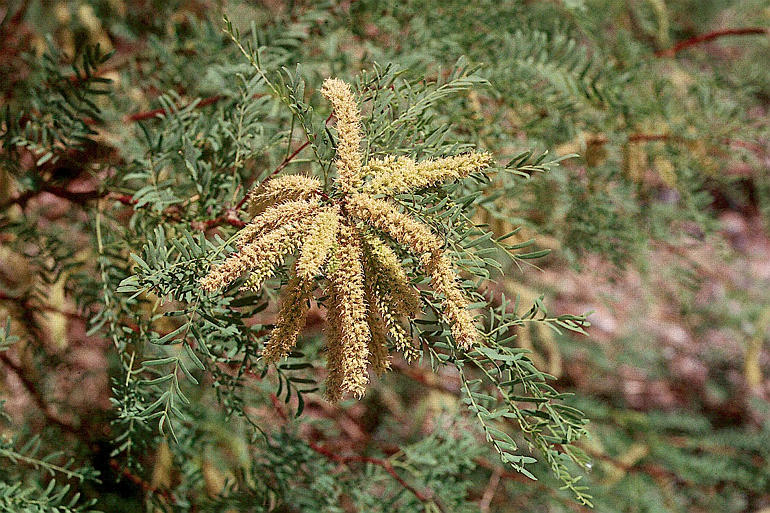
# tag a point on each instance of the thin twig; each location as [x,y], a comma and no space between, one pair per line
[426,496]
[144,485]
[515,476]
[489,491]
[150,114]
[285,162]
[710,36]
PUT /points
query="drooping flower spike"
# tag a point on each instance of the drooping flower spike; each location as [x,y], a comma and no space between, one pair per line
[338,241]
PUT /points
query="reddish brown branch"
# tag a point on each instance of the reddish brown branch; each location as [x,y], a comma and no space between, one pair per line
[422,496]
[652,137]
[150,114]
[289,159]
[230,216]
[710,36]
[144,485]
[79,197]
[60,192]
[644,137]
[285,162]
[126,199]
[29,305]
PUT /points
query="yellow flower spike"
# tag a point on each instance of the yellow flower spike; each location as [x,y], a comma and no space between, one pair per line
[348,286]
[275,217]
[386,265]
[282,189]
[380,304]
[334,352]
[444,281]
[398,334]
[291,319]
[319,242]
[419,240]
[379,358]
[261,257]
[393,175]
[349,157]
[380,214]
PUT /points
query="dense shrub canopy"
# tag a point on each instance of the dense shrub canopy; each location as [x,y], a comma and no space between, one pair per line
[222,222]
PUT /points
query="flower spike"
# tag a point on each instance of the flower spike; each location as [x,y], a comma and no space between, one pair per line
[349,158]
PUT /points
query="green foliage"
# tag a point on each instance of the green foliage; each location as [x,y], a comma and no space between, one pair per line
[61,105]
[600,145]
[170,267]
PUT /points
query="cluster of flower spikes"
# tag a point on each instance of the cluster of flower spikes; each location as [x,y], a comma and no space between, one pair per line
[369,294]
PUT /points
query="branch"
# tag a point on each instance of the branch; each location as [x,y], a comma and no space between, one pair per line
[61,192]
[644,137]
[710,36]
[283,163]
[150,114]
[519,478]
[422,496]
[141,483]
[230,216]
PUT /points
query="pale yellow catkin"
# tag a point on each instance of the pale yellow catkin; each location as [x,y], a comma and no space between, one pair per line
[261,257]
[291,319]
[421,242]
[378,343]
[415,236]
[280,190]
[393,175]
[275,217]
[320,240]
[348,284]
[334,350]
[444,281]
[386,265]
[383,308]
[349,157]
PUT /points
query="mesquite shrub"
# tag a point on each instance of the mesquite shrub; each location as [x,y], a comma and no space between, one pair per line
[302,256]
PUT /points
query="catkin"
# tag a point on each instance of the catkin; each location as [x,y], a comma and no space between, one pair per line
[378,343]
[348,285]
[414,235]
[380,306]
[420,241]
[282,189]
[393,175]
[320,240]
[261,257]
[334,350]
[386,266]
[349,158]
[291,319]
[274,217]
[444,281]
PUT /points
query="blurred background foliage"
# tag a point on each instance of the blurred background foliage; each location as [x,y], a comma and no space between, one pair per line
[121,116]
